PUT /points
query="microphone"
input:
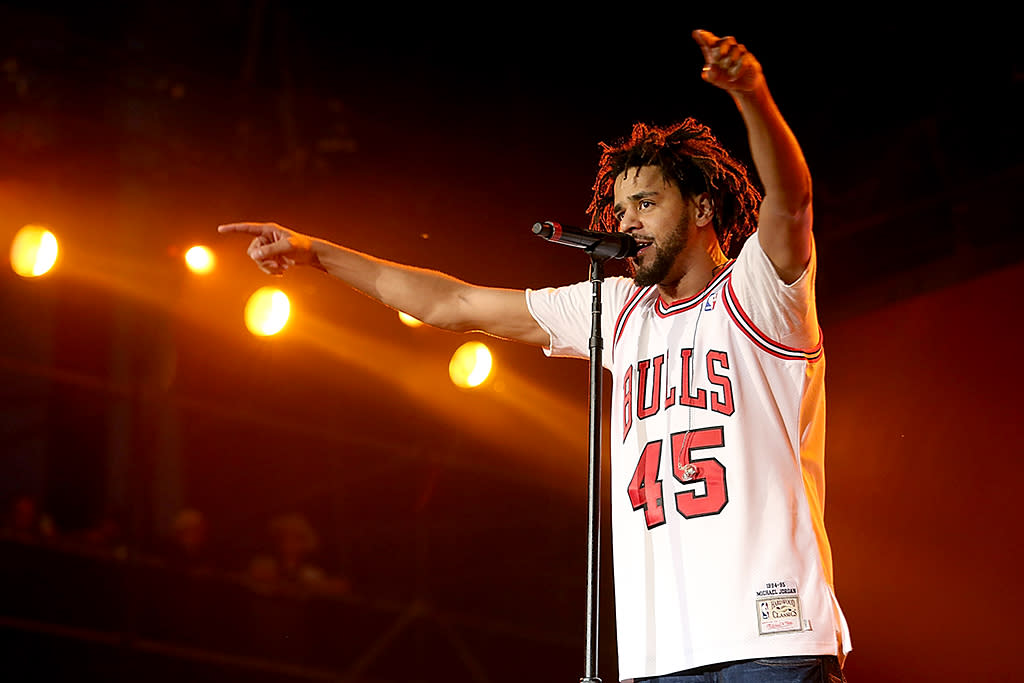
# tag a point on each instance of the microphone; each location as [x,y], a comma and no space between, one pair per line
[603,245]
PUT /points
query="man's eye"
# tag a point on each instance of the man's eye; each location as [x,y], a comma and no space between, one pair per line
[646,203]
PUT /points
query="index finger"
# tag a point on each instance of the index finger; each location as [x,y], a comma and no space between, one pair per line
[249,228]
[707,41]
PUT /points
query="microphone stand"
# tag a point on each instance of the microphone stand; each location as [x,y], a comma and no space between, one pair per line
[600,246]
[594,469]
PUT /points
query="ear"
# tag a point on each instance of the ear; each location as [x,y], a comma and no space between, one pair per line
[704,210]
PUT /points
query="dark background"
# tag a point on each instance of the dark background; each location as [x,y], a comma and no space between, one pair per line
[437,136]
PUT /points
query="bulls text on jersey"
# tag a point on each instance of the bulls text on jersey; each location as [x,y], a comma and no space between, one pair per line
[656,388]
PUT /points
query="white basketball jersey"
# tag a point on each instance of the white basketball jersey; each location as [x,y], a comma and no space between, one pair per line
[717,481]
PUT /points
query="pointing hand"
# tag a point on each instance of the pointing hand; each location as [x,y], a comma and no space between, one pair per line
[275,248]
[728,64]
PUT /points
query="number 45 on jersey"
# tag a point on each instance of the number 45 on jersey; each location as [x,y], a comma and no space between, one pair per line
[688,467]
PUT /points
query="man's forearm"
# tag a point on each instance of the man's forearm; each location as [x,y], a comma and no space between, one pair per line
[427,295]
[776,153]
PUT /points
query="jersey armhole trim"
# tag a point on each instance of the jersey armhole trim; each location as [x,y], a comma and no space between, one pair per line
[627,310]
[763,341]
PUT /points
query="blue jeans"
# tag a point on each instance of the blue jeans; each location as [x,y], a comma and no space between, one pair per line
[816,669]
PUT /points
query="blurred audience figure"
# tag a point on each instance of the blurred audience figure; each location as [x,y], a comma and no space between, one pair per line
[26,522]
[189,547]
[295,543]
[262,573]
[291,566]
[105,536]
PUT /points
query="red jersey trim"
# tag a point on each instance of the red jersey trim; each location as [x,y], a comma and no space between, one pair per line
[627,310]
[664,310]
[763,341]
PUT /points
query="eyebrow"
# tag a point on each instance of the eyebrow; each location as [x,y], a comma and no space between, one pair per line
[634,197]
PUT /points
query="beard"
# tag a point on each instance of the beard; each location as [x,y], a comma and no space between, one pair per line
[665,254]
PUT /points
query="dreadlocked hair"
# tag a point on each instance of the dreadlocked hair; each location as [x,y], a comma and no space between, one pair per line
[688,154]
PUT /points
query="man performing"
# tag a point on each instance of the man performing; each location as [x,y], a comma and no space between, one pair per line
[722,566]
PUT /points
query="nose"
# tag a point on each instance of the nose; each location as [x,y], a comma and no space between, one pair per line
[629,221]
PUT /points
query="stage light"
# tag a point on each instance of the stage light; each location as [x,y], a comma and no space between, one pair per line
[267,311]
[199,260]
[470,365]
[409,320]
[33,251]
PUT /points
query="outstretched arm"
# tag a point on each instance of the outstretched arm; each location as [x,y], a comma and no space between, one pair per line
[784,221]
[432,297]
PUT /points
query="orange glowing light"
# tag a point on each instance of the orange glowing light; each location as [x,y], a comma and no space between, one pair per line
[267,311]
[199,260]
[470,365]
[409,320]
[33,251]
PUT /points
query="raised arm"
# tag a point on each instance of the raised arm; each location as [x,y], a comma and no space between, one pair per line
[430,296]
[785,218]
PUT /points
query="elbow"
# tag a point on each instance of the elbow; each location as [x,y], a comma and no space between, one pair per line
[798,203]
[453,325]
[438,319]
[801,215]
[791,213]
[807,196]
[794,199]
[450,315]
[789,200]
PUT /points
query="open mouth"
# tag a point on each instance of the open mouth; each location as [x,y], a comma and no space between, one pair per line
[642,246]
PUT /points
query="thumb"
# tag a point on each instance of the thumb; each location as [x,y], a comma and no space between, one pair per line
[710,73]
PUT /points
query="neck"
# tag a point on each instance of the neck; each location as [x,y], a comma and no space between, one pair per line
[695,277]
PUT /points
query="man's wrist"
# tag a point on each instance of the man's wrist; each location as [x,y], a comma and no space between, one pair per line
[316,247]
[757,98]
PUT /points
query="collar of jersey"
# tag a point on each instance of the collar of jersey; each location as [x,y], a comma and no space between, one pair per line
[665,309]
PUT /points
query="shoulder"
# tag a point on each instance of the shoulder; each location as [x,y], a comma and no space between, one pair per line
[786,312]
[616,288]
[755,268]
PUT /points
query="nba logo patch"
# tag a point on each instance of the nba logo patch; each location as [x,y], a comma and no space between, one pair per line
[709,305]
[778,608]
[778,615]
